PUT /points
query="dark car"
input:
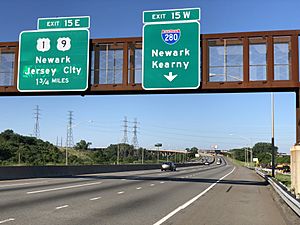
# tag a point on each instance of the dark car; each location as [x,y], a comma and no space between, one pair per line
[168,166]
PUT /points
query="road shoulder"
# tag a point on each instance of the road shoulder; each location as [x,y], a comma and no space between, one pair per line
[241,198]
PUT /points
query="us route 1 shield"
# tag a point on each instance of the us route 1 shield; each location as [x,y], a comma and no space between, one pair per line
[171,56]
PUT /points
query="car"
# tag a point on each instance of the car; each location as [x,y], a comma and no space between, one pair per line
[206,163]
[219,161]
[168,166]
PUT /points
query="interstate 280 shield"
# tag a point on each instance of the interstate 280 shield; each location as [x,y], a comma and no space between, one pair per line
[171,36]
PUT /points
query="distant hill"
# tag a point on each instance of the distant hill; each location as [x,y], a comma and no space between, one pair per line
[15,148]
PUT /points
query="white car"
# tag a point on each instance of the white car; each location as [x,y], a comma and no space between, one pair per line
[168,166]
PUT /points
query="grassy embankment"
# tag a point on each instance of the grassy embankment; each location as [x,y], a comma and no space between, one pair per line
[284,178]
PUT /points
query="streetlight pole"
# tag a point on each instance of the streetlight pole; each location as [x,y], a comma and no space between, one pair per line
[66,154]
[251,156]
[273,144]
[118,154]
[245,163]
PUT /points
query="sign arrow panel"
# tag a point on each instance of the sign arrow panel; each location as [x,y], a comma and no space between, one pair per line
[171,77]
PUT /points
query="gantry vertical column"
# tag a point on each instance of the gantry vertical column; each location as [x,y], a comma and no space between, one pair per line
[295,152]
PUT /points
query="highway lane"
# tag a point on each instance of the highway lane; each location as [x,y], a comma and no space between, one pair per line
[26,205]
[139,197]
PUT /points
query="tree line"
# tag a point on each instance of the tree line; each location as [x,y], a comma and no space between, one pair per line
[16,149]
[262,151]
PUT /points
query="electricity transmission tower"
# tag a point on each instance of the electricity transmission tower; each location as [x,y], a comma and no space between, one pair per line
[36,129]
[134,138]
[70,141]
[125,130]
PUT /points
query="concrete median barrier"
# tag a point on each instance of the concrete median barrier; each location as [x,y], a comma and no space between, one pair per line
[21,172]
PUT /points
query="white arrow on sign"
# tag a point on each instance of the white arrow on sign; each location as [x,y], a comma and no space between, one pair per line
[170,77]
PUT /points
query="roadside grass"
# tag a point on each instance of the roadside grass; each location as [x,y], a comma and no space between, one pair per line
[284,178]
[237,162]
[85,155]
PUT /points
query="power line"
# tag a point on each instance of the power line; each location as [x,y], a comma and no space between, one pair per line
[125,130]
[70,141]
[135,139]
[36,129]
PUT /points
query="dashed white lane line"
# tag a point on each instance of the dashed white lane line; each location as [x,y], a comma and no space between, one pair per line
[162,182]
[123,179]
[62,188]
[139,188]
[152,185]
[191,200]
[8,220]
[121,192]
[96,198]
[61,207]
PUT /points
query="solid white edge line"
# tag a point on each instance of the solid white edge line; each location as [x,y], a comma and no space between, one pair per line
[190,201]
[139,188]
[61,207]
[121,192]
[8,220]
[62,188]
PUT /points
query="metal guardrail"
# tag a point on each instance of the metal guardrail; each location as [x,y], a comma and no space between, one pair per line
[289,200]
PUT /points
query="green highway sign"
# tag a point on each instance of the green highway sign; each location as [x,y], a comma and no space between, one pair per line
[171,15]
[64,22]
[53,60]
[171,55]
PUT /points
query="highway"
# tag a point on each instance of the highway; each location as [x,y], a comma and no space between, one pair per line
[206,194]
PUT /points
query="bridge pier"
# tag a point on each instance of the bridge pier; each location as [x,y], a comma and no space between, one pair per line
[295,170]
[295,152]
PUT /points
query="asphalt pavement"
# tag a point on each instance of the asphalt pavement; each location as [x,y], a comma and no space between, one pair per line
[206,194]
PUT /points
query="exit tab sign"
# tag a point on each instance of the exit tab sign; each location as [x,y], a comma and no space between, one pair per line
[158,16]
[64,22]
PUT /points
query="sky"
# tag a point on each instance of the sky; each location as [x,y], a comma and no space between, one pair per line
[176,121]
